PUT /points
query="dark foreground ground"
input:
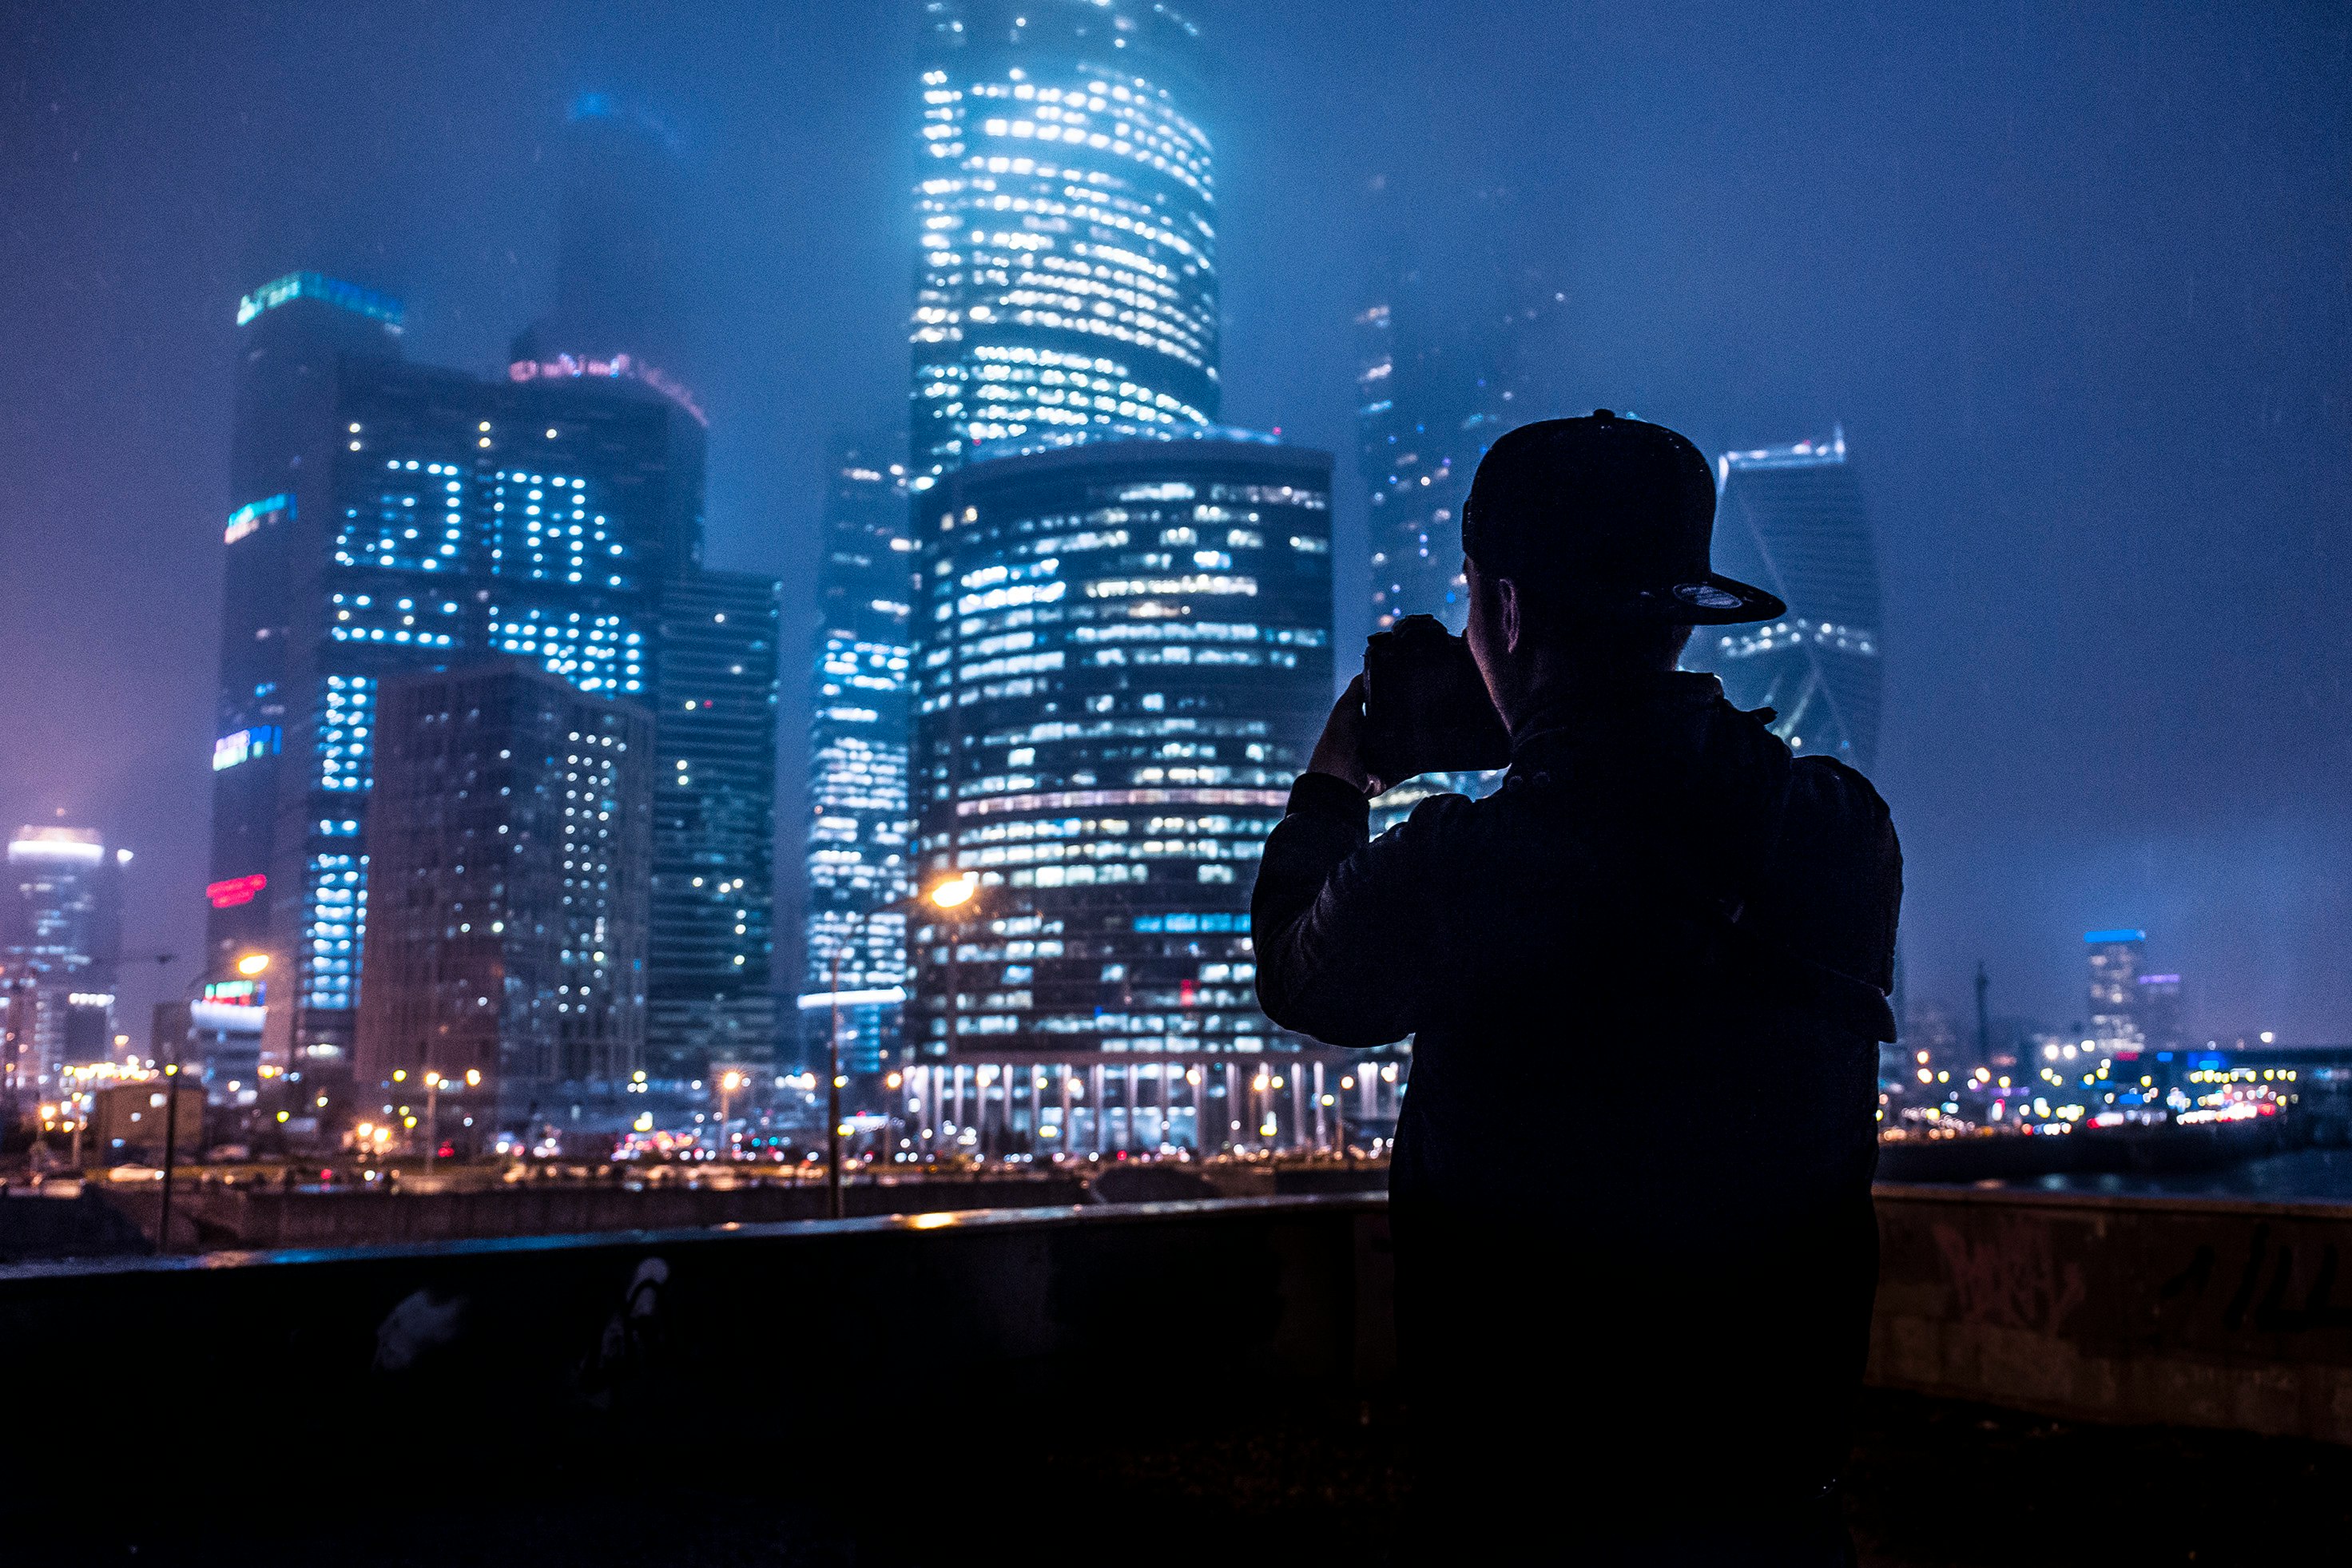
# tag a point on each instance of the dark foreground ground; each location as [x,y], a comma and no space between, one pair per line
[1934,1483]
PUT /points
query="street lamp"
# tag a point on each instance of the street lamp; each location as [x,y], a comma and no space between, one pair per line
[956,893]
[727,1084]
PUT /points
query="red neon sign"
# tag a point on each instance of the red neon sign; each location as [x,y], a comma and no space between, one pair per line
[236,890]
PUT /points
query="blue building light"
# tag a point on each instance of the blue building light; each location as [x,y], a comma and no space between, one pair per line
[2119,935]
[250,518]
[334,291]
[244,745]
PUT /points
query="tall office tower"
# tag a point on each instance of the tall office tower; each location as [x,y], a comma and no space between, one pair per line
[60,940]
[2115,957]
[1123,658]
[390,518]
[1791,519]
[511,856]
[859,857]
[1067,280]
[618,274]
[2155,1009]
[1435,386]
[713,998]
[1460,337]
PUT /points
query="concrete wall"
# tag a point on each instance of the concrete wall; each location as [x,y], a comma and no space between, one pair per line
[2201,1313]
[1020,1315]
[2197,1313]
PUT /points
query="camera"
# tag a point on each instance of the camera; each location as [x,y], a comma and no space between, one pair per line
[1425,706]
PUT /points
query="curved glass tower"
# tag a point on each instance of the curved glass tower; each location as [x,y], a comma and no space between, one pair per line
[1066,281]
[1791,519]
[1123,657]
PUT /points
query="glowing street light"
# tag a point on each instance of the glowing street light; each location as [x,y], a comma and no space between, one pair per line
[727,1084]
[955,890]
[252,963]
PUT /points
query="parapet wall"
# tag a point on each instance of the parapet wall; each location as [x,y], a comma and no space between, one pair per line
[2189,1312]
[2109,1309]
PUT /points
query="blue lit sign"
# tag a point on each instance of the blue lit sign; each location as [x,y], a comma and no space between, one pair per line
[2116,936]
[244,745]
[317,286]
[250,518]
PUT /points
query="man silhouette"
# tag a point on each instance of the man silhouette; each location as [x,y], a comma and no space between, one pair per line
[1644,979]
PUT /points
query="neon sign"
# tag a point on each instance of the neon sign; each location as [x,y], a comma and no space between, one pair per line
[620,366]
[261,740]
[317,286]
[236,890]
[248,518]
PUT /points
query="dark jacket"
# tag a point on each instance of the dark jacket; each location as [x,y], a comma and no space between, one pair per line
[1631,1181]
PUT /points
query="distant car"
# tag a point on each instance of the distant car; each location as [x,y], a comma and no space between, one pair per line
[228,1153]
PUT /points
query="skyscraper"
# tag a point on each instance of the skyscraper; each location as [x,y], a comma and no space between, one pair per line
[2115,957]
[60,940]
[1123,658]
[510,852]
[1067,279]
[621,227]
[1433,390]
[712,997]
[392,518]
[858,854]
[1791,519]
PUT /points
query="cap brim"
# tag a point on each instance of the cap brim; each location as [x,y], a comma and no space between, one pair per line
[1714,600]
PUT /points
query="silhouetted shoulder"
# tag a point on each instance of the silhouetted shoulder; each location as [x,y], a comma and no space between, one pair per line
[1830,782]
[1840,889]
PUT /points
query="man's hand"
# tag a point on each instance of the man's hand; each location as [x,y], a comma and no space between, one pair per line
[1340,751]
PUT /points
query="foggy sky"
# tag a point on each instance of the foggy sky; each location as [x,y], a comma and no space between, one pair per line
[2075,279]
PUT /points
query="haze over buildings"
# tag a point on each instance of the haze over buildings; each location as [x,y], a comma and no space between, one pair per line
[2093,369]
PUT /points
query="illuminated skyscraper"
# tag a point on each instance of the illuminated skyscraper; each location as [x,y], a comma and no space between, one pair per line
[60,939]
[714,845]
[859,857]
[1440,373]
[1791,519]
[1123,659]
[1434,392]
[1067,279]
[2114,961]
[390,518]
[511,848]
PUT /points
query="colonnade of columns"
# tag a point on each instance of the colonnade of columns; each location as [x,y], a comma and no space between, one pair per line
[996,1109]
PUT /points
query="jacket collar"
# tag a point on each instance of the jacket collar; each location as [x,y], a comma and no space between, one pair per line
[1571,723]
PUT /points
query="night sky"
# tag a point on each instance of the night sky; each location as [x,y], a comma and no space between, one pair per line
[2076,280]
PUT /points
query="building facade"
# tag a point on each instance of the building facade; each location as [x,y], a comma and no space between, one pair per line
[1791,519]
[1067,277]
[1433,392]
[390,518]
[858,851]
[1123,658]
[713,998]
[2116,958]
[60,942]
[510,858]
